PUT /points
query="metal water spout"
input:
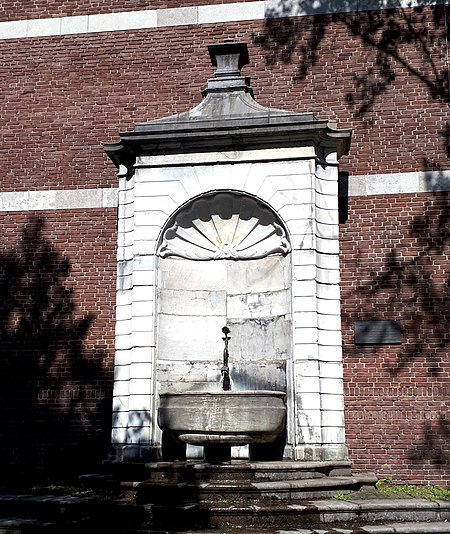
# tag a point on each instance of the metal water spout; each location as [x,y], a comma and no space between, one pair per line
[226,384]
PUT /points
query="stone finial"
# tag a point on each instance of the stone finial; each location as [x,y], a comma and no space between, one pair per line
[228,58]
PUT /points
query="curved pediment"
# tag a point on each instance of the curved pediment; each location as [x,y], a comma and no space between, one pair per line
[224,225]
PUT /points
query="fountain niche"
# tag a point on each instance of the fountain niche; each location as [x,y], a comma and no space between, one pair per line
[228,215]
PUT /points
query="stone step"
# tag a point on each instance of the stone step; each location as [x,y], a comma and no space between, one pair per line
[30,513]
[19,525]
[239,470]
[312,514]
[199,471]
[234,492]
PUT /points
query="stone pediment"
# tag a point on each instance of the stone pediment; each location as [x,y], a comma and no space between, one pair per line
[228,118]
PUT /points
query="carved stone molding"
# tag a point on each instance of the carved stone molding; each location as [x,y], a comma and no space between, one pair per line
[224,226]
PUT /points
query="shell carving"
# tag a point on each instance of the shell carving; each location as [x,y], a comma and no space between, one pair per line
[224,226]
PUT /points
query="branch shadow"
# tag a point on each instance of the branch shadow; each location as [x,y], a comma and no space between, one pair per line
[53,391]
[391,38]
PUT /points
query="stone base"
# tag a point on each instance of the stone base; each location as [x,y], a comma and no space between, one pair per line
[122,453]
[320,453]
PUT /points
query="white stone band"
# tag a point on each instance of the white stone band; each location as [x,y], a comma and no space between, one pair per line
[398,183]
[60,199]
[363,185]
[195,15]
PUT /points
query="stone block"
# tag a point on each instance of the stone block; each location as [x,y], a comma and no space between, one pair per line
[209,14]
[139,386]
[16,29]
[129,20]
[160,202]
[255,305]
[331,386]
[123,327]
[327,216]
[307,384]
[191,275]
[143,309]
[123,342]
[308,401]
[121,388]
[141,371]
[305,335]
[332,418]
[122,357]
[328,292]
[142,324]
[327,246]
[74,25]
[141,402]
[328,276]
[266,274]
[121,372]
[142,355]
[304,288]
[309,419]
[306,368]
[329,337]
[190,338]
[150,218]
[144,277]
[192,303]
[44,27]
[180,16]
[328,306]
[330,369]
[143,339]
[330,353]
[262,339]
[262,375]
[327,231]
[120,404]
[333,435]
[143,294]
[303,304]
[329,322]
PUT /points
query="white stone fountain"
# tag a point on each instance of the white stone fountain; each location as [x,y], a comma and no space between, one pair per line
[228,214]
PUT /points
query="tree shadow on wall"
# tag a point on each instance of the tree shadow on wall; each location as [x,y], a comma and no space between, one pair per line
[413,285]
[392,39]
[392,45]
[53,392]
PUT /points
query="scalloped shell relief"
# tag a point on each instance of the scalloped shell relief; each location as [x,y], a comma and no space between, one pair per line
[224,225]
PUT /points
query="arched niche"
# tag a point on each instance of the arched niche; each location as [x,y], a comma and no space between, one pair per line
[223,259]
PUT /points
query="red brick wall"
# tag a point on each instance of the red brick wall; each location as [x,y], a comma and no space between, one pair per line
[380,73]
[33,9]
[57,340]
[62,96]
[395,264]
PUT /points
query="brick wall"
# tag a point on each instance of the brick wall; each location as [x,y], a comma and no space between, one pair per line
[395,265]
[62,96]
[380,73]
[57,340]
[24,9]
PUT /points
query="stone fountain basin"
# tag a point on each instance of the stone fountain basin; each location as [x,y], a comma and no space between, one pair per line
[228,417]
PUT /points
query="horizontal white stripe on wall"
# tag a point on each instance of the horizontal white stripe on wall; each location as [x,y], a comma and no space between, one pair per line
[60,199]
[182,16]
[367,185]
[398,183]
